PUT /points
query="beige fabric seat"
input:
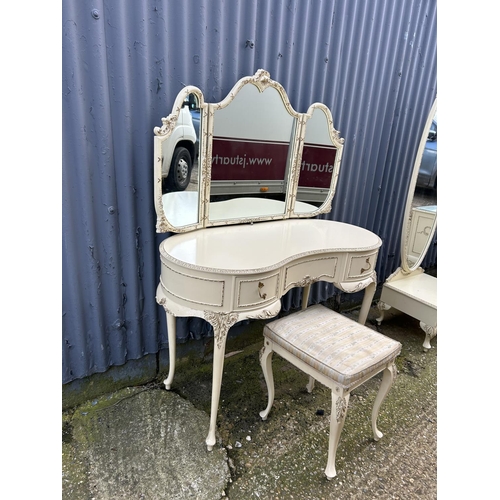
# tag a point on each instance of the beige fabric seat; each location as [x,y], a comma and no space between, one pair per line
[336,351]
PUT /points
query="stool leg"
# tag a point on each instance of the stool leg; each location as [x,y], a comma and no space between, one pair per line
[387,380]
[266,357]
[310,384]
[337,419]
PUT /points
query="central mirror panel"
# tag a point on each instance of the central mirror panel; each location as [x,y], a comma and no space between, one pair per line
[252,145]
[249,158]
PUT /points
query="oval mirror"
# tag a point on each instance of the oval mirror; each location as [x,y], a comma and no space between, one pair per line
[420,218]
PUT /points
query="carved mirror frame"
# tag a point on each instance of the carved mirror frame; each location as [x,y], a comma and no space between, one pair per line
[262,81]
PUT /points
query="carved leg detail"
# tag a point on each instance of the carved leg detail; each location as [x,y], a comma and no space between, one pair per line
[382,307]
[387,380]
[337,419]
[266,357]
[430,333]
[171,330]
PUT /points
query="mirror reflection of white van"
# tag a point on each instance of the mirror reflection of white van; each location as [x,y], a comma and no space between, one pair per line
[179,152]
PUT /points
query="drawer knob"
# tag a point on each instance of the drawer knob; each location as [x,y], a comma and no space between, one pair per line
[363,270]
[262,295]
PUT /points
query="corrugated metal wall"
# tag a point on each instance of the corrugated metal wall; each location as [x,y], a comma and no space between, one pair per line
[372,62]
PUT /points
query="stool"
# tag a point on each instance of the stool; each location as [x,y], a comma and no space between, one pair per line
[336,351]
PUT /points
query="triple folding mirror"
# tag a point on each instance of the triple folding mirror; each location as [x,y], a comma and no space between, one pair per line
[249,158]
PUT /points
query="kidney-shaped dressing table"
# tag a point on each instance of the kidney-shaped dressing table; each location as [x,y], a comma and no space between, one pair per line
[246,238]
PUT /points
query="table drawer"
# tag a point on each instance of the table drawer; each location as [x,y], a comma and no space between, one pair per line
[309,271]
[359,266]
[193,289]
[257,291]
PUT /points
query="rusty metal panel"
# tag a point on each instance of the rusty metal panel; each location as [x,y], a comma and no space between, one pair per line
[372,62]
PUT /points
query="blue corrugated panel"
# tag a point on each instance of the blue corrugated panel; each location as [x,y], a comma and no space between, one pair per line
[372,62]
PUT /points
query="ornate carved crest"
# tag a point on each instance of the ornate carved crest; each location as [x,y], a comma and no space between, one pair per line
[262,79]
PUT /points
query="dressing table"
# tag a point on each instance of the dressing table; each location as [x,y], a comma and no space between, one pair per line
[409,289]
[245,238]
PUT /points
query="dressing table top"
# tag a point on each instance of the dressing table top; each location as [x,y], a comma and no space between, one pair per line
[259,247]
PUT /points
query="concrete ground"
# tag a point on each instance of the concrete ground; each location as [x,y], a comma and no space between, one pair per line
[148,443]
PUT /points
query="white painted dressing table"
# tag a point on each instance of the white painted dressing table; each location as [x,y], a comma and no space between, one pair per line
[247,234]
[228,274]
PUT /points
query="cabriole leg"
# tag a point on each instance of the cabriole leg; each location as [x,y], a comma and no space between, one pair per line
[218,368]
[430,333]
[337,419]
[171,331]
[382,307]
[387,380]
[266,357]
[367,302]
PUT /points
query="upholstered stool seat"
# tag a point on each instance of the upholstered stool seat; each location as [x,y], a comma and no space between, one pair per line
[335,351]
